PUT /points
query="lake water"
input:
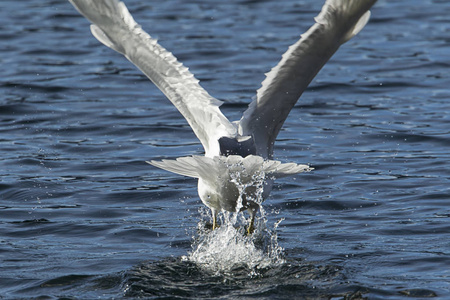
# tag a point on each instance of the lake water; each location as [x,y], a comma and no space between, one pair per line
[83,216]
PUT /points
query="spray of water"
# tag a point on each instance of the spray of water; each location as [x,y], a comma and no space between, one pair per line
[229,248]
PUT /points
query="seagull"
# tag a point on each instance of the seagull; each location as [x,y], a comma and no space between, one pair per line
[237,169]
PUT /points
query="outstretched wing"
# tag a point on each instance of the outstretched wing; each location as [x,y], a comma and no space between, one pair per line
[338,22]
[114,26]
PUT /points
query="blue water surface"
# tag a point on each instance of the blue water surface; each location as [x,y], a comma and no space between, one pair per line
[83,216]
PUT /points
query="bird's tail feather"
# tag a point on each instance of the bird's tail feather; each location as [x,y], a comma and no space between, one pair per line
[205,167]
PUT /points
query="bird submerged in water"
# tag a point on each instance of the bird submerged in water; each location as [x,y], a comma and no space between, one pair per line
[236,153]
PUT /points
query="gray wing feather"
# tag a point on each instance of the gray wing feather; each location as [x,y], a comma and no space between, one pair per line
[338,21]
[115,27]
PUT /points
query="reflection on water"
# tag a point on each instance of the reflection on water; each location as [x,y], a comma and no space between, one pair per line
[181,278]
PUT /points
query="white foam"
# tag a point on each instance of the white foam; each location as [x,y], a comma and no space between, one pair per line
[228,248]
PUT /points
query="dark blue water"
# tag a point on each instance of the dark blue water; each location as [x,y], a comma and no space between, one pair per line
[82,215]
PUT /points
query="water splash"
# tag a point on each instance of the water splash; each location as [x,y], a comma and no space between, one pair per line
[228,248]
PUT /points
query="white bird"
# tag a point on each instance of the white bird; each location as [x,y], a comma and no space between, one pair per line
[235,152]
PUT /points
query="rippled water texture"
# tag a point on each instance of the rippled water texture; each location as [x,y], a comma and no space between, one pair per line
[82,214]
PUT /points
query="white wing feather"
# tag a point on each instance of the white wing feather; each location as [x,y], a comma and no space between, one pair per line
[338,21]
[115,27]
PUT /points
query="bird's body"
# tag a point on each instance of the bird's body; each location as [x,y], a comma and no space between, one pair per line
[237,170]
